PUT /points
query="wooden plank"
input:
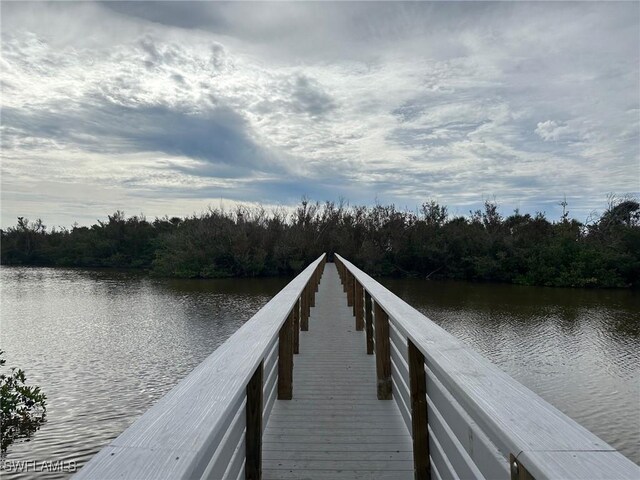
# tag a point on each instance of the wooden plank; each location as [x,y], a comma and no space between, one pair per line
[338,455]
[401,365]
[400,387]
[419,417]
[332,439]
[336,474]
[270,396]
[334,422]
[399,341]
[368,316]
[511,416]
[440,460]
[229,444]
[285,360]
[340,433]
[435,473]
[402,405]
[483,452]
[270,364]
[270,380]
[236,465]
[253,434]
[334,448]
[383,353]
[374,465]
[351,423]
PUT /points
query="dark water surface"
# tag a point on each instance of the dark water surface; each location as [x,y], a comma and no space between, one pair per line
[104,346]
[578,349]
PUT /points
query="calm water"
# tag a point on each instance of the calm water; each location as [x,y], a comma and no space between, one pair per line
[577,349]
[105,345]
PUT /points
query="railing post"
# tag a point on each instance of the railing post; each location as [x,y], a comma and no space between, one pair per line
[304,313]
[349,289]
[312,293]
[419,413]
[358,306]
[345,283]
[253,435]
[383,354]
[296,327]
[368,317]
[285,359]
[354,300]
[518,472]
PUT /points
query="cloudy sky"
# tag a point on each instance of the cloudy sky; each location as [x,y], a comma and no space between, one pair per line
[168,108]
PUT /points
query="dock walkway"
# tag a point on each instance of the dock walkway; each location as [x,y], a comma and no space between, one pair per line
[377,391]
[335,427]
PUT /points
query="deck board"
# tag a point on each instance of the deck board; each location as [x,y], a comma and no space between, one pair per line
[335,427]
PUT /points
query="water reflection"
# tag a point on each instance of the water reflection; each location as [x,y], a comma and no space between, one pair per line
[105,345]
[578,349]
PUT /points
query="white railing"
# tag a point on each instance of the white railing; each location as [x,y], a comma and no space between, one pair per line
[210,424]
[467,417]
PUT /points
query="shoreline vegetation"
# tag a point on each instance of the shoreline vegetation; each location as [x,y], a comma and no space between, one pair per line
[382,240]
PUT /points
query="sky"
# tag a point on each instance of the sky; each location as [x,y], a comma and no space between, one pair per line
[174,107]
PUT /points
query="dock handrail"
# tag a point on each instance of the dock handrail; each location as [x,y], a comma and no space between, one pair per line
[210,424]
[468,418]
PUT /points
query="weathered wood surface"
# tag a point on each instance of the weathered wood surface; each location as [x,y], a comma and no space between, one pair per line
[179,436]
[335,427]
[499,414]
[253,431]
[383,353]
[419,414]
[285,359]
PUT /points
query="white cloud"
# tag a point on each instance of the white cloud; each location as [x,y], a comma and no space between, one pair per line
[395,101]
[550,130]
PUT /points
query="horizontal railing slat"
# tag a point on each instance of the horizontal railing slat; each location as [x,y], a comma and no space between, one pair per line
[439,458]
[486,456]
[404,409]
[270,398]
[401,364]
[236,465]
[516,420]
[220,461]
[457,455]
[271,378]
[271,359]
[398,341]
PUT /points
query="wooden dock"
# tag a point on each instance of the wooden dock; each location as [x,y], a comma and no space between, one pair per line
[335,427]
[336,378]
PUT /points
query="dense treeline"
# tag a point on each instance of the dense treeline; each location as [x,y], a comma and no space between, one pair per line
[382,240]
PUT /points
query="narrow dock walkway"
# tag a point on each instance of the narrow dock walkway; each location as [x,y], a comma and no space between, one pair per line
[335,427]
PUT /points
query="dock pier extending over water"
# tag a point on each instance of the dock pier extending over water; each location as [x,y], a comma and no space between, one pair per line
[340,378]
